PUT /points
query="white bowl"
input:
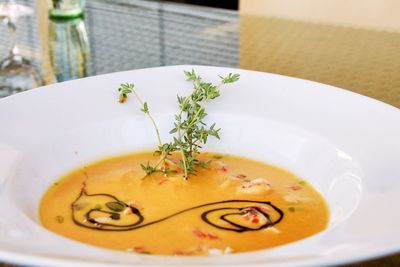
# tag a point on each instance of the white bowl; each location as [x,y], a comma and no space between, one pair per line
[345,144]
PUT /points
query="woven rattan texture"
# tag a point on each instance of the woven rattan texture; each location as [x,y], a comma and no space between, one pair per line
[362,60]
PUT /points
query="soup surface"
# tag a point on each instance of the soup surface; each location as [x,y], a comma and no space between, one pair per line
[234,205]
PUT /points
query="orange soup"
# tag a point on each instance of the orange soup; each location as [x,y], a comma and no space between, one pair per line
[234,205]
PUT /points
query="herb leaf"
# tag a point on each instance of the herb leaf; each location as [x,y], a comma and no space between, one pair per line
[124,90]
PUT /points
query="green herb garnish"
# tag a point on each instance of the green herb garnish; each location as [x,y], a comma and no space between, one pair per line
[190,131]
[115,206]
[60,219]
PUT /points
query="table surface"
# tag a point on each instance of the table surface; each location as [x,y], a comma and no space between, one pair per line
[117,35]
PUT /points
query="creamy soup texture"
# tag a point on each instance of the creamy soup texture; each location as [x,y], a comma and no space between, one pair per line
[234,205]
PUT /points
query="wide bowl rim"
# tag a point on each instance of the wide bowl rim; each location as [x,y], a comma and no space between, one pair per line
[17,258]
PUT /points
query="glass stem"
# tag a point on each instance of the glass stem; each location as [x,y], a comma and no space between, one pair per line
[12,29]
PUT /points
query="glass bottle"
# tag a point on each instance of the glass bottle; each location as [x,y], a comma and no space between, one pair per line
[69,48]
[65,8]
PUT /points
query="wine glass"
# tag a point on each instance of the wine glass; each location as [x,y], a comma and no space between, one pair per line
[16,72]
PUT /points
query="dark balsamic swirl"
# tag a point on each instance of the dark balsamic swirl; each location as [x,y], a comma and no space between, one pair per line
[225,215]
[241,212]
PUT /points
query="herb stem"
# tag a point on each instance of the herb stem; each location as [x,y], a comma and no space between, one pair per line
[185,173]
[124,90]
[145,110]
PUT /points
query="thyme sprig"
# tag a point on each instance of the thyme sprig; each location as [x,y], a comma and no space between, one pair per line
[190,130]
[189,124]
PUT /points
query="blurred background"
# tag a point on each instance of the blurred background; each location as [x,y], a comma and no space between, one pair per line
[350,44]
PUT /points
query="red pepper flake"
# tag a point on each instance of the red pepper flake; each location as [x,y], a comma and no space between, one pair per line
[204,235]
[224,169]
[241,176]
[255,220]
[212,236]
[180,253]
[162,181]
[138,248]
[295,187]
[199,233]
